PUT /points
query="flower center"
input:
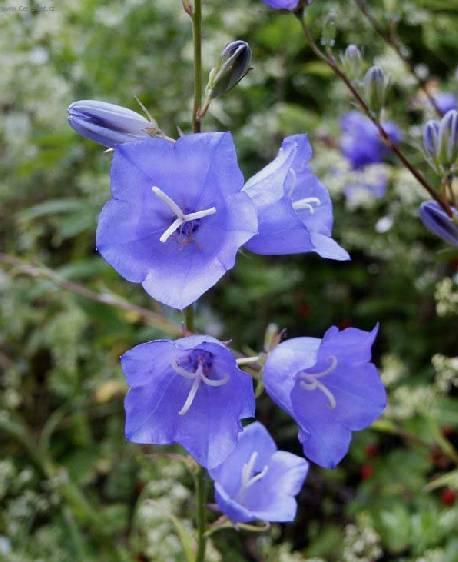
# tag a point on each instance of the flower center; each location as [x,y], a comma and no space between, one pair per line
[197,367]
[249,477]
[307,203]
[186,223]
[310,381]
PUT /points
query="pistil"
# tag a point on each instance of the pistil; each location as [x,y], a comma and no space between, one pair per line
[309,381]
[181,217]
[306,203]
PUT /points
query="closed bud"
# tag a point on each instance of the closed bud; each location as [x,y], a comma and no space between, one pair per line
[108,124]
[448,139]
[234,65]
[431,140]
[352,62]
[375,89]
[436,220]
[328,35]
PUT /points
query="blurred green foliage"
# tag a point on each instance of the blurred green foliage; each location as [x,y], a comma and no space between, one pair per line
[71,488]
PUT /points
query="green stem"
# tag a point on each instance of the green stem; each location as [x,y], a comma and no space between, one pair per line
[197,38]
[201,516]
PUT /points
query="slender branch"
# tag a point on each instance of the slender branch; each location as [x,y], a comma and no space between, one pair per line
[197,38]
[392,40]
[332,63]
[109,299]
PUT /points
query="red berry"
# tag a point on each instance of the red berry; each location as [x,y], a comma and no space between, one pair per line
[448,497]
[367,471]
[371,450]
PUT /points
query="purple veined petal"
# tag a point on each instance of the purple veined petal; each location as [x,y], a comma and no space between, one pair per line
[351,345]
[162,408]
[106,123]
[436,220]
[327,445]
[257,482]
[283,362]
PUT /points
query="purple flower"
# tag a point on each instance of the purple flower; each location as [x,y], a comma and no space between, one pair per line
[446,102]
[294,207]
[369,181]
[177,216]
[106,123]
[282,4]
[329,386]
[439,223]
[360,142]
[189,391]
[258,482]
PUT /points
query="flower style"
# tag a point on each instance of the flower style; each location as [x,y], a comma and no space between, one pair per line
[436,220]
[189,391]
[294,207]
[360,142]
[258,482]
[177,216]
[329,386]
[108,124]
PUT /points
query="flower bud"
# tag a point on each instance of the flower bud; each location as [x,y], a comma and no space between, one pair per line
[448,139]
[108,124]
[328,35]
[234,65]
[431,140]
[439,223]
[374,88]
[352,62]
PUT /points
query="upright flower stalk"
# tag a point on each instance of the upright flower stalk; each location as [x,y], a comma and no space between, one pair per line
[189,312]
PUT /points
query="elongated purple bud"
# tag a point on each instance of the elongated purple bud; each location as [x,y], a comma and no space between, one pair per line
[439,223]
[431,140]
[106,123]
[448,139]
[234,65]
[375,89]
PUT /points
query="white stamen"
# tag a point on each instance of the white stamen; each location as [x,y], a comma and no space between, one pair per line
[197,377]
[247,475]
[181,217]
[191,396]
[168,201]
[306,203]
[309,381]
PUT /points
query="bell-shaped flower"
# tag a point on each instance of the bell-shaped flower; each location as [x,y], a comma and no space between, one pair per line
[108,124]
[177,216]
[439,223]
[361,143]
[258,482]
[283,4]
[329,386]
[189,391]
[294,207]
[445,101]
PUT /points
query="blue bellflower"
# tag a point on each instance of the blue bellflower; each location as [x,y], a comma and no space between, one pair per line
[258,482]
[439,223]
[282,4]
[360,142]
[446,102]
[106,123]
[329,386]
[189,391]
[177,216]
[294,208]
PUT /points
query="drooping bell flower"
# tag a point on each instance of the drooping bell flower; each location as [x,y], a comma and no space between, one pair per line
[329,386]
[108,124]
[177,216]
[189,391]
[436,220]
[361,143]
[294,208]
[283,4]
[258,482]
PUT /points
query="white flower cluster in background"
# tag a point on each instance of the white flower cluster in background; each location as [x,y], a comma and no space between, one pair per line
[446,372]
[446,296]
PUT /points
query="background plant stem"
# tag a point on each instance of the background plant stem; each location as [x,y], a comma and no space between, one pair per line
[197,37]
